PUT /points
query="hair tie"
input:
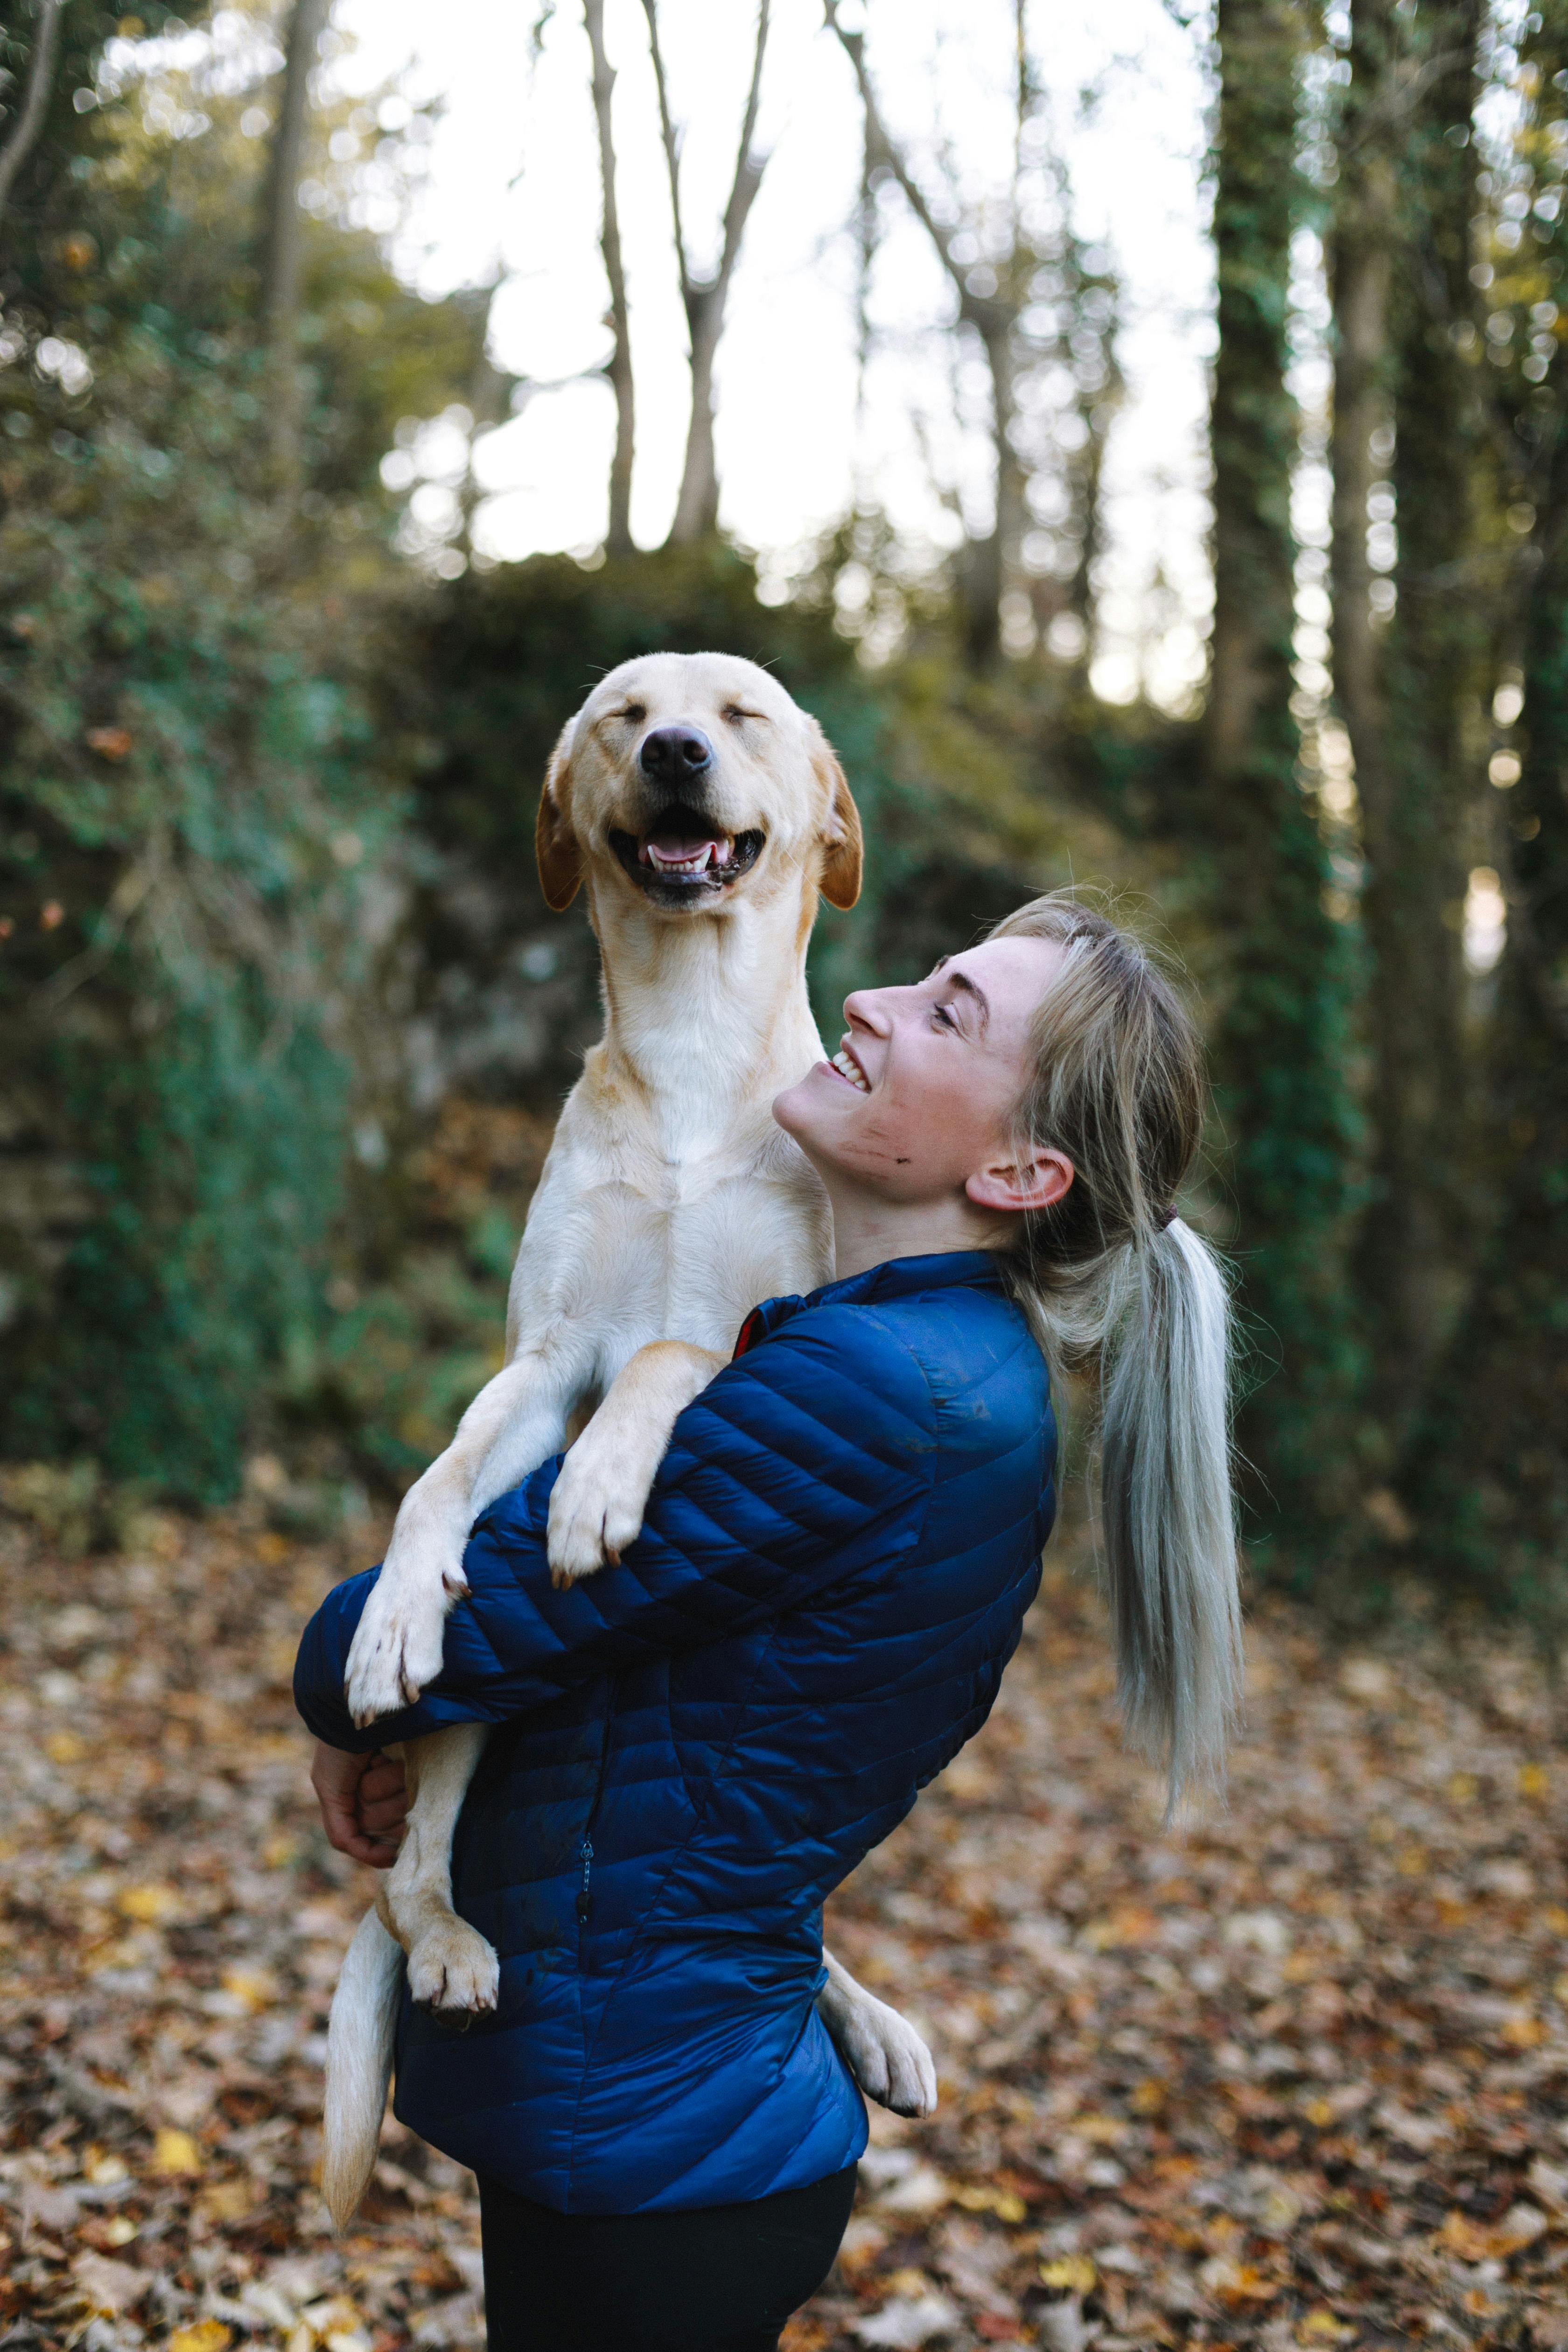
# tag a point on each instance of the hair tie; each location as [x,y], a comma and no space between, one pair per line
[1164,1217]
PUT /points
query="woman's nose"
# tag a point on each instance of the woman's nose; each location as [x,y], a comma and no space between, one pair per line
[868,1009]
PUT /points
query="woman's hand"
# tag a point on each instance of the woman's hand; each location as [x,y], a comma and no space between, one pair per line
[364,1802]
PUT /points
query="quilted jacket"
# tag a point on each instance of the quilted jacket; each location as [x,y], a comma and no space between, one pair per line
[697,1747]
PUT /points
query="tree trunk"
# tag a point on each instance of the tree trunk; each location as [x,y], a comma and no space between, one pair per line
[35,98]
[1414,797]
[1490,1472]
[1360,261]
[697,507]
[282,237]
[618,539]
[991,559]
[1282,1045]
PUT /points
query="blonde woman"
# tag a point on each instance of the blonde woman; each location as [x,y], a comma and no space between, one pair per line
[699,1745]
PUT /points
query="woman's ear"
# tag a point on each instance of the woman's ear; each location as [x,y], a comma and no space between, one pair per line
[555,845]
[843,849]
[1039,1183]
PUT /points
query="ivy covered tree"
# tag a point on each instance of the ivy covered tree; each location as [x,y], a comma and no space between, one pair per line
[1282,1035]
[1490,1480]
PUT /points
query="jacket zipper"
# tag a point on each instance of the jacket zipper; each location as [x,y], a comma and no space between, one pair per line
[585,1849]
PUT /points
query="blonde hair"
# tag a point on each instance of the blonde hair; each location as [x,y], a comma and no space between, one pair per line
[1115,1284]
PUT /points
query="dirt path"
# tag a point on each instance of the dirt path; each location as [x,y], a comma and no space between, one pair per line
[1299,2076]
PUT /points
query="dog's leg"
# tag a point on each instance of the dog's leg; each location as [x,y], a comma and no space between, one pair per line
[886,2055]
[514,1423]
[597,1509]
[451,1965]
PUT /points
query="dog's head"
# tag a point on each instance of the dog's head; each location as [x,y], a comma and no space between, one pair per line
[691,781]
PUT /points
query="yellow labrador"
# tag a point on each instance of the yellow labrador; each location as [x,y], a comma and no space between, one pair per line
[703,812]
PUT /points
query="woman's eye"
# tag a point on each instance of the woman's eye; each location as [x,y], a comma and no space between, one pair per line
[939,1013]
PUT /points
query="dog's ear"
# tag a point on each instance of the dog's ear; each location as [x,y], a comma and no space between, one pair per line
[555,844]
[843,848]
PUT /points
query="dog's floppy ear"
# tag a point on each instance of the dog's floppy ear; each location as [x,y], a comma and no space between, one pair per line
[843,851]
[554,843]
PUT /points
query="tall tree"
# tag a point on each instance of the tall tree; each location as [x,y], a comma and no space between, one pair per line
[704,298]
[619,540]
[25,132]
[1010,276]
[1408,188]
[1491,1471]
[1282,1045]
[282,230]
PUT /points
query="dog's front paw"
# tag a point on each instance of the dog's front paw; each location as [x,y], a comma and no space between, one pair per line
[396,1648]
[452,1967]
[886,2055]
[595,1512]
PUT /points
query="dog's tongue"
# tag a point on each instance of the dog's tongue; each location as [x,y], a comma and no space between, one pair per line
[693,852]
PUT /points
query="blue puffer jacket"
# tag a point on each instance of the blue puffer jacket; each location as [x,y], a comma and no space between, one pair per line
[696,1748]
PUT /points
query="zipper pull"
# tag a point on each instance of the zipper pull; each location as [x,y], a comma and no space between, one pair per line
[585,1898]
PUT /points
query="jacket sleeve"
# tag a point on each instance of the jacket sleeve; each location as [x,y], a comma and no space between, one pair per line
[805,1461]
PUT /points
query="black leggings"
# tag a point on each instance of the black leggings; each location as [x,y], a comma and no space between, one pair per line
[720,2278]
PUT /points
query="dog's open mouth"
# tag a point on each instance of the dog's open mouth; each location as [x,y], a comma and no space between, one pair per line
[681,856]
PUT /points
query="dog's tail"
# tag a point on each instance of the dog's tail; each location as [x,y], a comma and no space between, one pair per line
[360,2034]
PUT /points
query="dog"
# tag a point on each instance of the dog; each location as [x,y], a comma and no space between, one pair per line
[704,813]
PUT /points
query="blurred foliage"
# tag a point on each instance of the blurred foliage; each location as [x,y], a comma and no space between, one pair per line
[191,817]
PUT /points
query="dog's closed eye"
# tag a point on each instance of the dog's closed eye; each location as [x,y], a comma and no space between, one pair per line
[634,713]
[738,717]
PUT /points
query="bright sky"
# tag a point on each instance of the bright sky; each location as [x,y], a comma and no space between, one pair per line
[513,185]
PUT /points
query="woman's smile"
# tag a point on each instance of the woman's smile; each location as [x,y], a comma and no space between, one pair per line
[845,1062]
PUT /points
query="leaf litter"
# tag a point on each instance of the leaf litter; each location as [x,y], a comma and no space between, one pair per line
[1291,2074]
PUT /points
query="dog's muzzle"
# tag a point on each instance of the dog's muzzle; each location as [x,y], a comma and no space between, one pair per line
[684,859]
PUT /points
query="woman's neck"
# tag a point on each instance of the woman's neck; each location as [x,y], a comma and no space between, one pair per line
[867,1230]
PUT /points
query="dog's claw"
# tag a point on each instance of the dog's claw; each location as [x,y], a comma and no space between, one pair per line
[453,1969]
[397,1645]
[596,1514]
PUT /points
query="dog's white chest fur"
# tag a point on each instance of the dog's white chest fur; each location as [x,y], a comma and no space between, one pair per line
[681,1246]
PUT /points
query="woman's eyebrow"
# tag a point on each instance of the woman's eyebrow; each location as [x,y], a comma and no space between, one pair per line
[971,988]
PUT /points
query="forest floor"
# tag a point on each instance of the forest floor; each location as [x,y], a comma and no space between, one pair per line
[1296,2075]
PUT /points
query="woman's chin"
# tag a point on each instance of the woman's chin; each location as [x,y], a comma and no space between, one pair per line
[792,1110]
[804,1110]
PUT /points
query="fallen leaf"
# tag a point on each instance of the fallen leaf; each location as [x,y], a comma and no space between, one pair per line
[1320,2326]
[109,2287]
[175,2155]
[1005,2204]
[206,2336]
[1074,2271]
[1483,2241]
[151,1905]
[1237,2282]
[907,2322]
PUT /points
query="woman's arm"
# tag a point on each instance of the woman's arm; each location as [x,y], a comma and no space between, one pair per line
[786,1475]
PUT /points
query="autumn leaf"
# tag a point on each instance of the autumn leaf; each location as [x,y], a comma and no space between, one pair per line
[151,1905]
[1076,2272]
[175,2155]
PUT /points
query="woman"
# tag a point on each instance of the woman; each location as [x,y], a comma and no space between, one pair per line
[697,1746]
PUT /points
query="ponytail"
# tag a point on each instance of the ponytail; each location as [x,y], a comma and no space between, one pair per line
[1115,1284]
[1165,1503]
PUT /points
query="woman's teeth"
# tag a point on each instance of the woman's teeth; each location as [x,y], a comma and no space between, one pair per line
[846,1069]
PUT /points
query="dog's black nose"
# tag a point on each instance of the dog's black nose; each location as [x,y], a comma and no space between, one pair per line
[675,755]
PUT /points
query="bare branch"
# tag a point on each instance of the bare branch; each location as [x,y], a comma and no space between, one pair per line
[619,539]
[888,152]
[671,146]
[697,507]
[34,104]
[748,172]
